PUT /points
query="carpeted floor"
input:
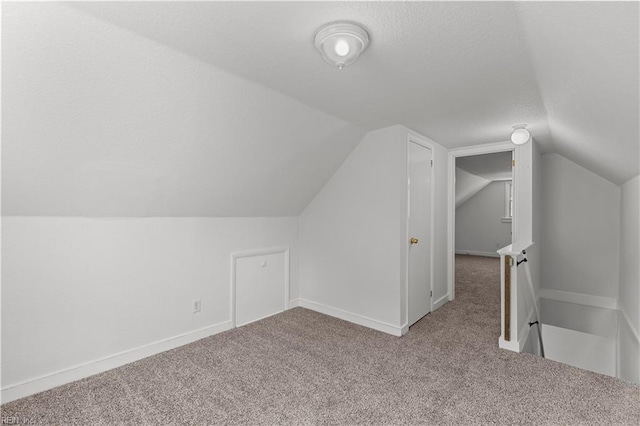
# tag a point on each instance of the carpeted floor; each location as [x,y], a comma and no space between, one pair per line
[301,367]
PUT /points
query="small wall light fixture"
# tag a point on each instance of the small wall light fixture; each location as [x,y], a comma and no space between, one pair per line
[520,135]
[340,43]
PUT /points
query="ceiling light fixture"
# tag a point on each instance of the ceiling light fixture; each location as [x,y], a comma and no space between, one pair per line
[520,135]
[340,43]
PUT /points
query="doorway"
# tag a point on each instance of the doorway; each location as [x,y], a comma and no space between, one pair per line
[482,215]
[484,203]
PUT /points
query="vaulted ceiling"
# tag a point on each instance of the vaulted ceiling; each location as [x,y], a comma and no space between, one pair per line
[225,108]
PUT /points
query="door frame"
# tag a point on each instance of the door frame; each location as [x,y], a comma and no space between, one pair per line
[489,148]
[251,253]
[426,143]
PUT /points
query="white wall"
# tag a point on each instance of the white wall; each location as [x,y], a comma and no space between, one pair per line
[590,263]
[580,335]
[628,352]
[75,290]
[583,350]
[528,296]
[526,236]
[536,188]
[583,318]
[479,225]
[352,235]
[349,234]
[580,229]
[629,289]
[528,174]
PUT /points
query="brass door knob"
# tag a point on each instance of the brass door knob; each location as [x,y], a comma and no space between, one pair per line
[413,241]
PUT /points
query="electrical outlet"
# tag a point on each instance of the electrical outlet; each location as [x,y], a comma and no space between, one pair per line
[197,305]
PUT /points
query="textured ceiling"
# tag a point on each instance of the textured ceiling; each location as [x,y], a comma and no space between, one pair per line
[586,57]
[461,73]
[194,108]
[456,72]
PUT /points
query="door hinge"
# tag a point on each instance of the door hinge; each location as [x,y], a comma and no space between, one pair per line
[431,293]
[513,163]
[431,163]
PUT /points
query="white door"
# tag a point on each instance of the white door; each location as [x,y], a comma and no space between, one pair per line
[420,232]
[260,287]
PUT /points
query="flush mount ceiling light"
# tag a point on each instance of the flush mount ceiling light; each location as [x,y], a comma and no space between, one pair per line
[520,135]
[340,43]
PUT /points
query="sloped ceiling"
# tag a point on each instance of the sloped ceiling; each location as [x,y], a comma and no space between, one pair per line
[468,185]
[475,172]
[98,121]
[496,166]
[220,108]
[586,57]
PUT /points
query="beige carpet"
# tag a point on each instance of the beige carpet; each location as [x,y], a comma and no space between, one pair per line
[301,367]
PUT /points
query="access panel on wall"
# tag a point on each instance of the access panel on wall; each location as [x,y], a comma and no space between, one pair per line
[261,284]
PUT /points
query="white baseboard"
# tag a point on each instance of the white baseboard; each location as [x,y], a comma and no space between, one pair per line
[440,302]
[578,298]
[478,253]
[81,371]
[294,303]
[351,317]
[404,329]
[508,345]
